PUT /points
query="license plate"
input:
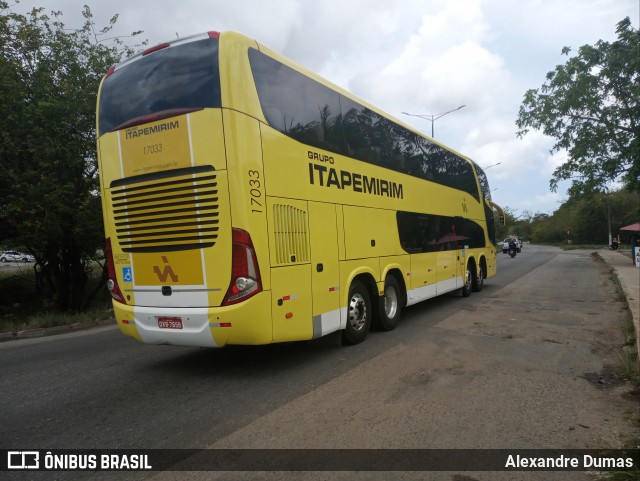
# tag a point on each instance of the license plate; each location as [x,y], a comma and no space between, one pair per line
[170,323]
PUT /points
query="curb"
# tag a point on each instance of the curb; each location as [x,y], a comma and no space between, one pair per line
[629,278]
[54,330]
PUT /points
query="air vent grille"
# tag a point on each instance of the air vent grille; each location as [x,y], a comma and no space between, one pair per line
[167,211]
[290,227]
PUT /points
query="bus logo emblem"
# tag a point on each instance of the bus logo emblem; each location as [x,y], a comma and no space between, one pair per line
[166,272]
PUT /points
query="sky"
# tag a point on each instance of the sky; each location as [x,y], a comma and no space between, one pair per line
[423,57]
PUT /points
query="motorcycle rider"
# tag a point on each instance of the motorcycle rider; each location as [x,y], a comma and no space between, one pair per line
[513,245]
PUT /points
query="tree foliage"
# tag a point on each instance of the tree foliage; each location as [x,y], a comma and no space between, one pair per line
[49,195]
[583,219]
[591,107]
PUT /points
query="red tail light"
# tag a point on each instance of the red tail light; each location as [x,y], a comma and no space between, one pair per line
[155,49]
[112,281]
[245,274]
[110,71]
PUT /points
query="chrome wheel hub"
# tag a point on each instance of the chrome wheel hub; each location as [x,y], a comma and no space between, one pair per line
[357,311]
[390,302]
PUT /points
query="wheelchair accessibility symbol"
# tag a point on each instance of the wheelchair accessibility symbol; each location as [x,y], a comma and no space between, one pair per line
[127,274]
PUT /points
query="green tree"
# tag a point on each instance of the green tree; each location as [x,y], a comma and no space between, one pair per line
[591,107]
[49,200]
[510,220]
[557,228]
[587,218]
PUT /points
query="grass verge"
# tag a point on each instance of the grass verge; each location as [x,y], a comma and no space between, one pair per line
[25,305]
[628,357]
[52,319]
[627,367]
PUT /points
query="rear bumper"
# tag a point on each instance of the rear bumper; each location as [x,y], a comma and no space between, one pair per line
[246,323]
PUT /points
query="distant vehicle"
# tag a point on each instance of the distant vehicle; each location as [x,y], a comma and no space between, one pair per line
[14,256]
[505,245]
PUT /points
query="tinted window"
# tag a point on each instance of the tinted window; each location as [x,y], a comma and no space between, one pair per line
[432,233]
[486,194]
[371,137]
[491,225]
[180,77]
[305,110]
[484,183]
[318,116]
[435,163]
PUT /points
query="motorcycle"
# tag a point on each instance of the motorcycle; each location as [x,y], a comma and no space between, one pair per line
[512,250]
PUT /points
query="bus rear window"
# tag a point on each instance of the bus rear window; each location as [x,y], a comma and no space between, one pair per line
[181,77]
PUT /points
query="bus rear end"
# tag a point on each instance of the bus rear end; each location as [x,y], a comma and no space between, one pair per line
[179,272]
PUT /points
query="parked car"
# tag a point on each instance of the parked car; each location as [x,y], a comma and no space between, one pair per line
[15,256]
[505,244]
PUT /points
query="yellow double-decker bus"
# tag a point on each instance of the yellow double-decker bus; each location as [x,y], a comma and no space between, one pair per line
[247,200]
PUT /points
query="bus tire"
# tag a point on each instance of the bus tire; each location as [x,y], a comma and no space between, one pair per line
[358,314]
[389,305]
[477,283]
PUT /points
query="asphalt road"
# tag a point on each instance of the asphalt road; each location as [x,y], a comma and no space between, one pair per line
[526,363]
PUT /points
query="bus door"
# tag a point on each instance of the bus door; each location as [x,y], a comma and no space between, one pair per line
[325,271]
[423,277]
[463,252]
[448,255]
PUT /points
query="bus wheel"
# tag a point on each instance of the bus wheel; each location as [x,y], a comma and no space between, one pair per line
[359,314]
[389,305]
[477,283]
[466,289]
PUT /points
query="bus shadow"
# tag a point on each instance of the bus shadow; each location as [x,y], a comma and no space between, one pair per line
[247,361]
[275,359]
